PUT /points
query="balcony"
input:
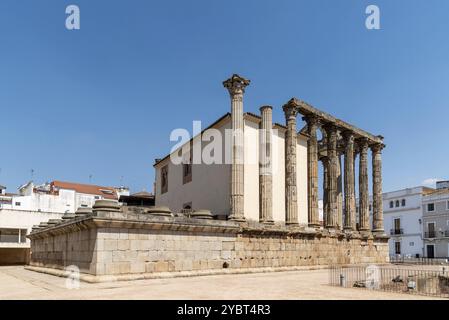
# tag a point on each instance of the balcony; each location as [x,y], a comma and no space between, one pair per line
[436,234]
[396,231]
[430,234]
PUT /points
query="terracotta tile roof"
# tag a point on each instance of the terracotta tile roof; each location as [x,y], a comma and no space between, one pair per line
[105,192]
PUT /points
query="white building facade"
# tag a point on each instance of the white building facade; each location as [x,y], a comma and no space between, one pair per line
[403,221]
[435,210]
[208,186]
[36,204]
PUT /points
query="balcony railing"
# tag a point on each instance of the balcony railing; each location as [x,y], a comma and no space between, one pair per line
[430,234]
[396,231]
[436,234]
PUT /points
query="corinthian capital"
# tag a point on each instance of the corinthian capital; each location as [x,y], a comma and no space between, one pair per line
[236,84]
[290,109]
[377,147]
[363,145]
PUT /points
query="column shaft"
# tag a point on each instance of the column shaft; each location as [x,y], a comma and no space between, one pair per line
[349,174]
[339,193]
[325,188]
[378,223]
[236,87]
[363,187]
[312,172]
[291,204]
[265,167]
[332,214]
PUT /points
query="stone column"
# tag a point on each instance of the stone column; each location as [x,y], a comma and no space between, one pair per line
[265,167]
[325,188]
[378,220]
[291,204]
[236,86]
[349,175]
[363,186]
[339,193]
[332,214]
[312,171]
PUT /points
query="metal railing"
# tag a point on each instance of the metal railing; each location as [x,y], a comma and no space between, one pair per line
[436,234]
[430,234]
[408,259]
[396,231]
[392,279]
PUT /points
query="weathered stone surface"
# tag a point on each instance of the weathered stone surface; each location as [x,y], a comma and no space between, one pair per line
[291,196]
[98,249]
[363,186]
[265,167]
[236,86]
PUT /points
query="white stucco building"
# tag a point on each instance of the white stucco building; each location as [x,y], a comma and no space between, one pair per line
[208,186]
[435,209]
[403,220]
[35,204]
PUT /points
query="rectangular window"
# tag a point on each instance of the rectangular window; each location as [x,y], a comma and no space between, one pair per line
[18,204]
[187,167]
[403,202]
[397,247]
[10,235]
[23,235]
[447,205]
[391,204]
[397,226]
[164,179]
[430,207]
[430,230]
[412,244]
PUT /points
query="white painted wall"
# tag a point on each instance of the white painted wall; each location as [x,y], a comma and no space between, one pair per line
[409,215]
[279,175]
[21,219]
[301,180]
[209,188]
[210,185]
[66,201]
[251,170]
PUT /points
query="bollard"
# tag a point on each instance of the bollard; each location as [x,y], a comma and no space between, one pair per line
[342,280]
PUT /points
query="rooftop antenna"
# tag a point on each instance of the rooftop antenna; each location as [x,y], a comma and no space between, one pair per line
[90,178]
[32,174]
[121,181]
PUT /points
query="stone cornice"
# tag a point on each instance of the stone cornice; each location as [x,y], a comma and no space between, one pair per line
[138,221]
[307,110]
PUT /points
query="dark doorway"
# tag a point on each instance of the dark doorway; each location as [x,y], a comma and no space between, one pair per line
[430,251]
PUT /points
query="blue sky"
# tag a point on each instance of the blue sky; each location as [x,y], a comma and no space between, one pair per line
[103,100]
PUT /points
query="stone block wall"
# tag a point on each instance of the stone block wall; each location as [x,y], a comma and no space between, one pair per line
[59,250]
[123,251]
[113,244]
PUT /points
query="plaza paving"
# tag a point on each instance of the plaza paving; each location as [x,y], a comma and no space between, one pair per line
[18,283]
